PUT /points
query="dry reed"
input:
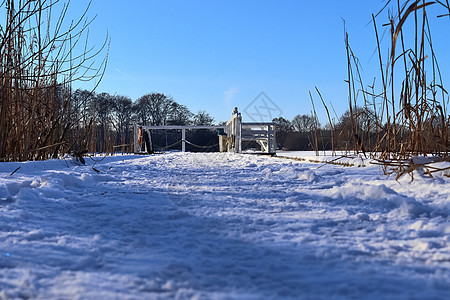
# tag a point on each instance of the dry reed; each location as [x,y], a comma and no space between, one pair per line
[37,66]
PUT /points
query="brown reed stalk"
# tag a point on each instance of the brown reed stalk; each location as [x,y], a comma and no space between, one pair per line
[415,122]
[420,126]
[316,126]
[329,120]
[37,67]
[349,82]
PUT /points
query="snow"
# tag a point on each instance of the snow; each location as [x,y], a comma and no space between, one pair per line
[221,226]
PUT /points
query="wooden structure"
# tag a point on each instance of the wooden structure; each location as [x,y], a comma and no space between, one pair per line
[138,140]
[237,132]
[231,135]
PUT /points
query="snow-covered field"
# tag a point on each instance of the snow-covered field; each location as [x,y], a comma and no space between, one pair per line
[220,226]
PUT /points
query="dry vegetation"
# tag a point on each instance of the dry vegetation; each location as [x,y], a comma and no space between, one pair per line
[41,54]
[408,116]
[402,114]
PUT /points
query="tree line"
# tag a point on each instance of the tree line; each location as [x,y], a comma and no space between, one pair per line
[105,123]
[357,130]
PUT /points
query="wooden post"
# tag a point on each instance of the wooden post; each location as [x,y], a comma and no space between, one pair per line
[183,138]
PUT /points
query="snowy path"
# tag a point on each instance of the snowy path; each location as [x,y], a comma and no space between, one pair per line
[222,226]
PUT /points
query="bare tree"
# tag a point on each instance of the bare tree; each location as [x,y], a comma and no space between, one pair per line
[283,128]
[303,123]
[154,109]
[122,117]
[180,115]
[202,118]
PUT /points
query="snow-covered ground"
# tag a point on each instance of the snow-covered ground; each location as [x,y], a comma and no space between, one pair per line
[220,226]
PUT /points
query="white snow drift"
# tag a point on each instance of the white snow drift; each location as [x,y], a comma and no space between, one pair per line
[220,226]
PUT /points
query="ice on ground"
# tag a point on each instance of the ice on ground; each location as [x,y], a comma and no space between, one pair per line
[220,226]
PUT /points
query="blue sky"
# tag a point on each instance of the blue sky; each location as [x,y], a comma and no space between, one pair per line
[214,55]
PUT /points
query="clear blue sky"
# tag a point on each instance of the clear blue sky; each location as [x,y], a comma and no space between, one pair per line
[214,55]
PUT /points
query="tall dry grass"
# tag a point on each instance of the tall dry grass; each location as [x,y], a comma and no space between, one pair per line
[408,115]
[41,54]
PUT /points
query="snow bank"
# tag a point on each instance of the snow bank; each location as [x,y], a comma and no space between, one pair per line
[220,226]
[328,157]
